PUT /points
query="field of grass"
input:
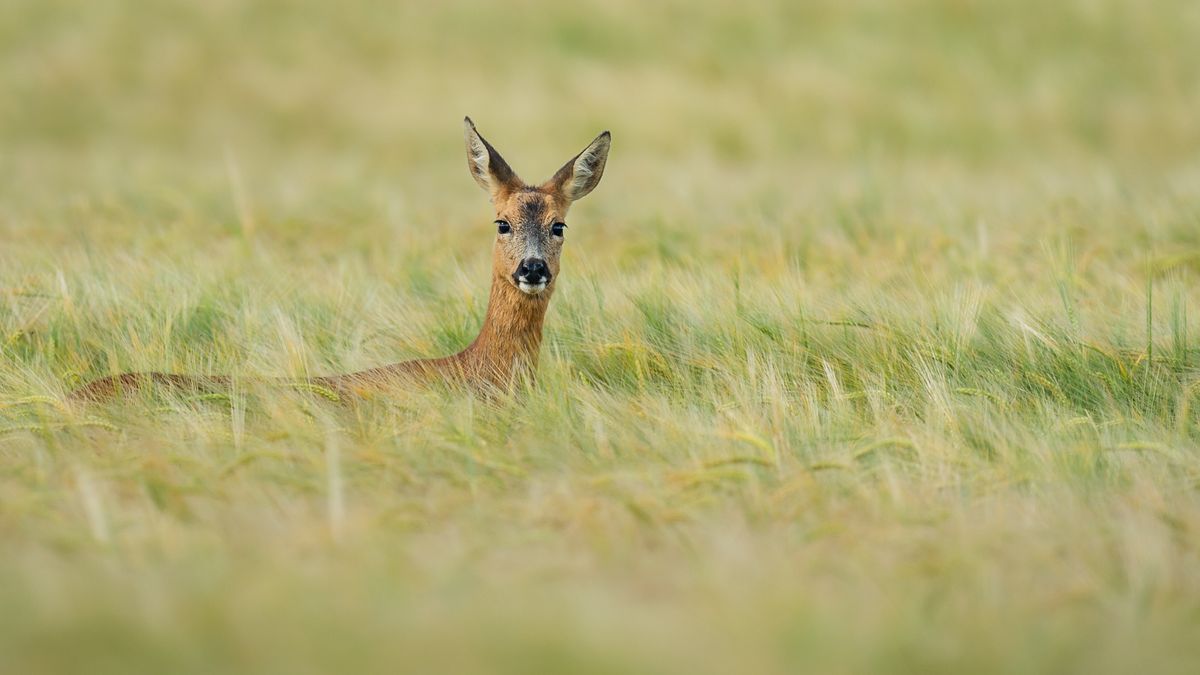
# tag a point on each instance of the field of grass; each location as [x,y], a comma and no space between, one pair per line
[876,350]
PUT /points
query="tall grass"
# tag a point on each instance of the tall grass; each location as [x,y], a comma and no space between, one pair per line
[875,350]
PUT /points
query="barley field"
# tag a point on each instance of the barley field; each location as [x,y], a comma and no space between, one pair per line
[876,350]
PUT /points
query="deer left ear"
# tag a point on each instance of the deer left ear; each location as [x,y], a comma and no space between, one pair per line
[582,174]
[487,167]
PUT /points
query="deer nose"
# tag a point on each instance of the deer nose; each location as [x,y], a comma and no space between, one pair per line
[533,271]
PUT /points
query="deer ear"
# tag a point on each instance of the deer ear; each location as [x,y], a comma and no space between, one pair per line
[582,174]
[487,167]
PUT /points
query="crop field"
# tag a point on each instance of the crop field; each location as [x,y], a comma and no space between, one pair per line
[877,349]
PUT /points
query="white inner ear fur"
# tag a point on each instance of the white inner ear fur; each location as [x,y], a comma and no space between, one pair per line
[479,154]
[583,172]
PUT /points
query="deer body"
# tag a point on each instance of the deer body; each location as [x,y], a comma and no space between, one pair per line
[525,264]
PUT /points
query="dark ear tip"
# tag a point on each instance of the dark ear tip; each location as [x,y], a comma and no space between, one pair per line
[467,121]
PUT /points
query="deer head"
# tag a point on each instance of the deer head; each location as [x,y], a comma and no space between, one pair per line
[531,219]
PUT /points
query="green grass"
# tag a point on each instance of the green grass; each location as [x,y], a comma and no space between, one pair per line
[876,350]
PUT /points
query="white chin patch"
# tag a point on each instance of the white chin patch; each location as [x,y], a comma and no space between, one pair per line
[531,289]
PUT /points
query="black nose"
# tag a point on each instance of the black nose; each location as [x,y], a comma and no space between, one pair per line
[533,271]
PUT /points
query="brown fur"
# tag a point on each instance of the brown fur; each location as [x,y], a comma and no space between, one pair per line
[506,349]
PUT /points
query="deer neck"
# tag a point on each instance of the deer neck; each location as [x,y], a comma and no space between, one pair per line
[511,336]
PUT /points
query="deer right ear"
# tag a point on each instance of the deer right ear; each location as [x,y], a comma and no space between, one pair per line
[487,167]
[582,174]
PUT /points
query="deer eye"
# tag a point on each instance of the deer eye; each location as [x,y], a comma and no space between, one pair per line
[557,229]
[503,227]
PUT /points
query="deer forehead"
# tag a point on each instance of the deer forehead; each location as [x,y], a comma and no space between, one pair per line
[531,206]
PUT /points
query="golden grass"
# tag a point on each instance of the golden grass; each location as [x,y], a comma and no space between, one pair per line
[876,349]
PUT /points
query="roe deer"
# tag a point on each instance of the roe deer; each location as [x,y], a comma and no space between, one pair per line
[529,237]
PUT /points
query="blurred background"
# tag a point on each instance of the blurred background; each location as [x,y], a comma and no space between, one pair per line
[106,90]
[791,81]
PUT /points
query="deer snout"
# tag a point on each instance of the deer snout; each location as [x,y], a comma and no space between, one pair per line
[532,275]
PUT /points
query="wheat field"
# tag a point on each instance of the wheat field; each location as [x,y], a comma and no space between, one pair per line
[876,350]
